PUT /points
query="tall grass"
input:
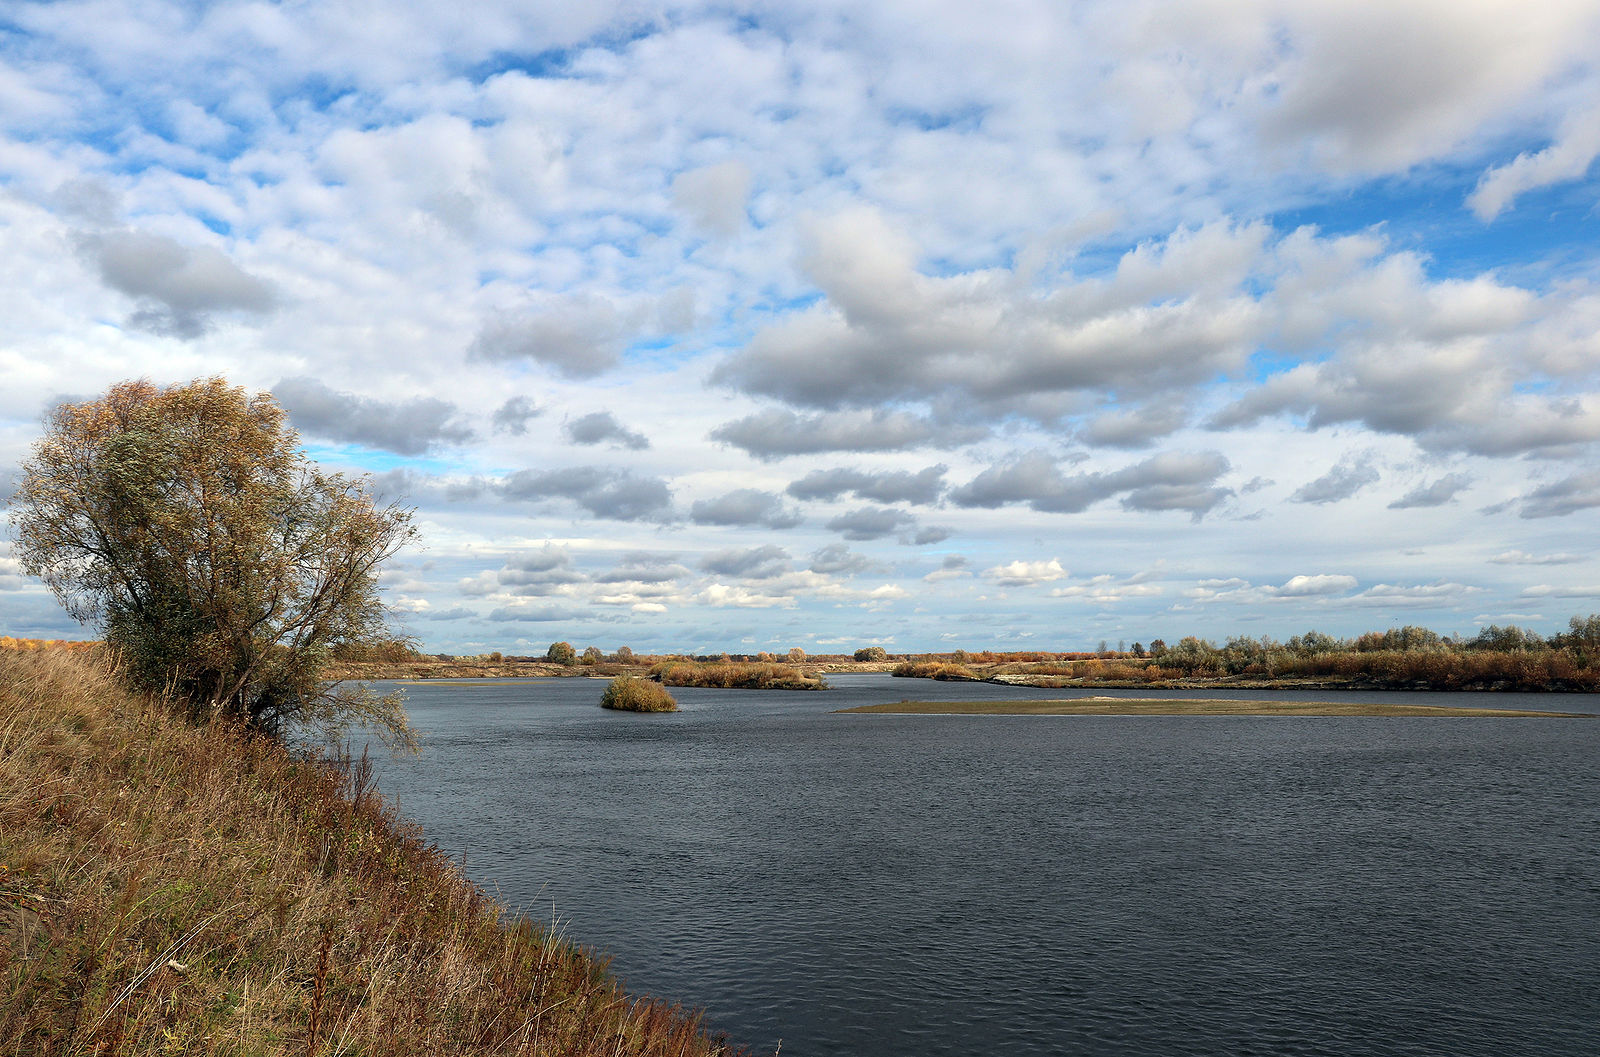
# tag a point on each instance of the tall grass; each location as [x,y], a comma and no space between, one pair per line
[166,888]
[736,676]
[629,693]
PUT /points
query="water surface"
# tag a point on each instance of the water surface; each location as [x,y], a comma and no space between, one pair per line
[884,885]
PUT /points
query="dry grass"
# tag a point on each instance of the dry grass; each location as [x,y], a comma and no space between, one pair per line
[1127,706]
[941,670]
[736,676]
[628,693]
[169,889]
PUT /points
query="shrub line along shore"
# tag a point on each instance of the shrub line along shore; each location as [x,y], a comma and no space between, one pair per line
[1129,706]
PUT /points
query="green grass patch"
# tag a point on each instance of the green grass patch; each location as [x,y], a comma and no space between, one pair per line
[1129,706]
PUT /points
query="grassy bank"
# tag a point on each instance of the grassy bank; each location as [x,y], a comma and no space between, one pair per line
[1126,706]
[172,889]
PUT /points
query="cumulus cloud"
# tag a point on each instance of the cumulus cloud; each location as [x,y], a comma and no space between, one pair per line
[1515,557]
[1339,483]
[1136,428]
[542,572]
[645,568]
[1172,315]
[1568,158]
[513,415]
[537,614]
[1312,586]
[751,563]
[1025,574]
[837,559]
[600,427]
[954,567]
[1580,491]
[620,495]
[745,506]
[1169,481]
[714,197]
[870,523]
[777,433]
[406,427]
[1437,493]
[178,288]
[580,336]
[898,486]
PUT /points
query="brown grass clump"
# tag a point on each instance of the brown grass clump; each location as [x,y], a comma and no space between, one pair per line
[167,888]
[736,676]
[943,670]
[628,693]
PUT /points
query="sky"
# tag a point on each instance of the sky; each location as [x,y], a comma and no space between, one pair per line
[748,326]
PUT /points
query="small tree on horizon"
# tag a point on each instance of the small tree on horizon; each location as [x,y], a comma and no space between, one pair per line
[219,562]
[561,653]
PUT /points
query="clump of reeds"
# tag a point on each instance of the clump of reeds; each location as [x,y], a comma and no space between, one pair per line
[945,670]
[171,888]
[736,676]
[629,693]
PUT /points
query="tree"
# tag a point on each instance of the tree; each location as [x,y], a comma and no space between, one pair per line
[872,653]
[561,653]
[592,655]
[224,568]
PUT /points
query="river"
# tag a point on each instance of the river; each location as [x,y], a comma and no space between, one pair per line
[917,886]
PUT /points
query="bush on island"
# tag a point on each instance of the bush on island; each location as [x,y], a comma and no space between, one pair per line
[628,693]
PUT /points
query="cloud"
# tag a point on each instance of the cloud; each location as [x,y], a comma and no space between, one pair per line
[646,568]
[1568,158]
[1563,591]
[1136,428]
[1524,558]
[1313,586]
[954,567]
[870,523]
[899,486]
[777,434]
[542,572]
[1025,574]
[1169,481]
[537,615]
[837,559]
[598,427]
[1339,483]
[753,563]
[178,288]
[604,492]
[409,427]
[714,197]
[745,506]
[1173,314]
[1580,491]
[1438,493]
[513,415]
[580,336]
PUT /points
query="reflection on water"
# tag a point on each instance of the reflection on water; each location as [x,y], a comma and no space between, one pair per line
[926,885]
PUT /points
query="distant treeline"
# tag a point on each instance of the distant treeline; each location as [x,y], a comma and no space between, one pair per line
[1497,657]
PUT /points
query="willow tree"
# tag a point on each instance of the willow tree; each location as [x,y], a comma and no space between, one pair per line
[222,565]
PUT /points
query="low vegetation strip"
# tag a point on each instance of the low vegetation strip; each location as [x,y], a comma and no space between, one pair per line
[735,676]
[1125,706]
[171,888]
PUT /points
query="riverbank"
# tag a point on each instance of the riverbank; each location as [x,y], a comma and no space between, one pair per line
[1129,706]
[169,888]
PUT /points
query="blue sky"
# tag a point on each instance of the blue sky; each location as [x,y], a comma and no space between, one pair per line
[751,326]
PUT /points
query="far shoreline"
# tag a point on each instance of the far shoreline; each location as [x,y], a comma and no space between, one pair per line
[1203,707]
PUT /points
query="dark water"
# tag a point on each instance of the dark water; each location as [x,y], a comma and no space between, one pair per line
[927,885]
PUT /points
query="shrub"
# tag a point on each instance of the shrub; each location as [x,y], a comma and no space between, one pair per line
[736,676]
[872,653]
[223,566]
[934,670]
[628,693]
